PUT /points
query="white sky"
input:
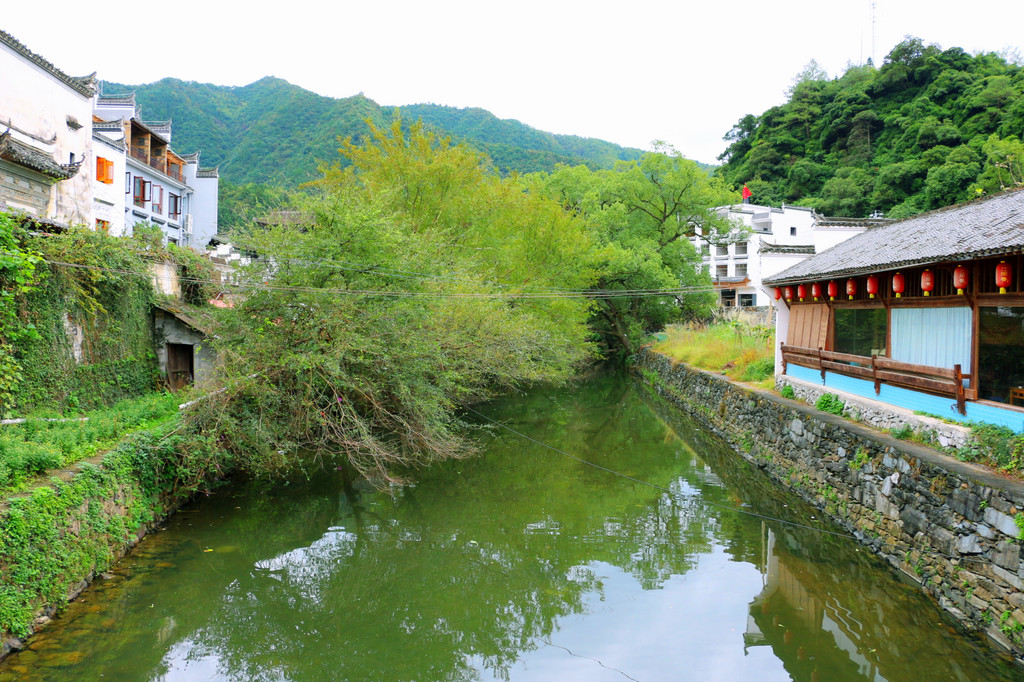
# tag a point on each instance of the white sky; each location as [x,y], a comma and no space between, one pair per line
[628,71]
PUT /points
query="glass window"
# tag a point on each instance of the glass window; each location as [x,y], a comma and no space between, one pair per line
[741,269]
[721,271]
[1000,352]
[860,331]
[741,248]
[721,250]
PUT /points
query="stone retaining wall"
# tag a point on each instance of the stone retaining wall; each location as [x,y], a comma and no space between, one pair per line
[949,526]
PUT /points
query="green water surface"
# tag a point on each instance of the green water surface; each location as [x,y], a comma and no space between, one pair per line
[520,564]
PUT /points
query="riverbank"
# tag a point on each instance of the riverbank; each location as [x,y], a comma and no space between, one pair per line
[949,526]
[57,536]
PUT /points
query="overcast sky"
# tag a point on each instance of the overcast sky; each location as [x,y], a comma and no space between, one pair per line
[628,71]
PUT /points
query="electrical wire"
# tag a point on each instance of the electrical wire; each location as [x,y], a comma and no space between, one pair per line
[538,294]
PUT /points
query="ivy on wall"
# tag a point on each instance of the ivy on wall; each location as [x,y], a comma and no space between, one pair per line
[82,332]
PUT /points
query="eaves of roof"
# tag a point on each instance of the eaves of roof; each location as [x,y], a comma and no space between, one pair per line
[987,227]
[29,157]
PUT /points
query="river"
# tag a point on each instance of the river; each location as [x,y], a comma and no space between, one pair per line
[520,564]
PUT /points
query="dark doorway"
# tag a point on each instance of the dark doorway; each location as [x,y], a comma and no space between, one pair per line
[179,365]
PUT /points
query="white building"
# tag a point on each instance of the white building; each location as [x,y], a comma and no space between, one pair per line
[45,137]
[766,241]
[159,187]
[70,156]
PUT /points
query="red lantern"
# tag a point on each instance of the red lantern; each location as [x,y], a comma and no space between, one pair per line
[789,293]
[1004,276]
[898,284]
[872,286]
[816,290]
[927,282]
[833,291]
[778,293]
[851,288]
[960,279]
[801,291]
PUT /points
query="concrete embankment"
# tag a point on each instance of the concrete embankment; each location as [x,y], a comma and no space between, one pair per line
[57,537]
[950,526]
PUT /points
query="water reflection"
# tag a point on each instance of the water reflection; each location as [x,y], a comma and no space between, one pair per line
[521,564]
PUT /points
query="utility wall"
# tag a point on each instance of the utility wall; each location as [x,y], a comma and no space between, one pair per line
[947,525]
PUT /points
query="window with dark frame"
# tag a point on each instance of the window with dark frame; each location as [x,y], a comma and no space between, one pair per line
[861,331]
[158,200]
[173,206]
[142,191]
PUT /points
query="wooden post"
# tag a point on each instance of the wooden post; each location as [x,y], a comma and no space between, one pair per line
[821,366]
[961,403]
[874,374]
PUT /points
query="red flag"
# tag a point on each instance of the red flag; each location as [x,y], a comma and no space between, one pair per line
[746,192]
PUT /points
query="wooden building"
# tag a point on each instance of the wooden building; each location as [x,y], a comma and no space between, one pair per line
[925,313]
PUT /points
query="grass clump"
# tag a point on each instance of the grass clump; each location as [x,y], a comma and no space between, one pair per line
[831,403]
[995,446]
[739,351]
[787,392]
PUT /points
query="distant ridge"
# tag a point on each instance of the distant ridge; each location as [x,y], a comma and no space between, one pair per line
[274,132]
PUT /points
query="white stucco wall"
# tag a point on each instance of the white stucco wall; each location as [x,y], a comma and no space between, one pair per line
[108,200]
[38,104]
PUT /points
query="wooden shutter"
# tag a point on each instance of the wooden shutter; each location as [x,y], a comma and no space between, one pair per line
[808,326]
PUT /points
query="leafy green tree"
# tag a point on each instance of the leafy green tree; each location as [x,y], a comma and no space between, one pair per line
[419,281]
[641,216]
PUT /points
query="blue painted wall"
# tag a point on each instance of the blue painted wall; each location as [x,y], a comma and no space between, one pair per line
[912,400]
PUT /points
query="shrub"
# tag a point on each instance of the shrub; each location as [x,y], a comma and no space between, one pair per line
[830,402]
[787,392]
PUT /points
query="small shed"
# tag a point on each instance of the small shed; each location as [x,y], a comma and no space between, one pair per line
[182,353]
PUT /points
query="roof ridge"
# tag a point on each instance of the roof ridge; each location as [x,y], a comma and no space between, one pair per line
[85,85]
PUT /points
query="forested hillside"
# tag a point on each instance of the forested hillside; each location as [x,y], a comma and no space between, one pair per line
[274,133]
[927,129]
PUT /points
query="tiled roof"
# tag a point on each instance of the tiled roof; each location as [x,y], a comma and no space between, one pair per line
[85,85]
[28,156]
[991,226]
[785,248]
[208,172]
[118,100]
[826,221]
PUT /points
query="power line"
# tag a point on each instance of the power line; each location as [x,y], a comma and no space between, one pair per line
[601,294]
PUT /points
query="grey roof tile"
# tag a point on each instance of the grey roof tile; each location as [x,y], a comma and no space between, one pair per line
[991,226]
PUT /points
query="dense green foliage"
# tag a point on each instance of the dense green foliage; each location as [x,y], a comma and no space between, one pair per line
[83,293]
[417,284]
[61,533]
[927,129]
[39,444]
[641,215]
[274,133]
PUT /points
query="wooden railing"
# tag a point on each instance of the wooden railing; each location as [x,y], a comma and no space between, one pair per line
[881,370]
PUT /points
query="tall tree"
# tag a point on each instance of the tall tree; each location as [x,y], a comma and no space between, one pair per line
[419,281]
[641,216]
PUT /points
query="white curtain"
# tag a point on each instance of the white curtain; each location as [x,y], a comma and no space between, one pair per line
[937,337]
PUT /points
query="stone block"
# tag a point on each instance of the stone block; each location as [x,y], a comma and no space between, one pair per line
[1004,523]
[968,544]
[1006,554]
[914,521]
[1011,579]
[796,427]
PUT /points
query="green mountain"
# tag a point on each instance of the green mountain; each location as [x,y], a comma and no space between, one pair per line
[274,133]
[927,129]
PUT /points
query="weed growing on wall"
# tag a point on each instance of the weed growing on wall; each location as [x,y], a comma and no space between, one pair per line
[831,403]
